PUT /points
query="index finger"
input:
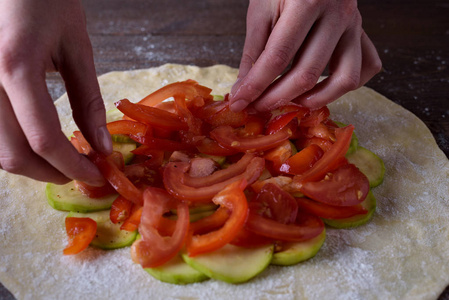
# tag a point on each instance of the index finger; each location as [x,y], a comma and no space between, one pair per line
[38,118]
[282,45]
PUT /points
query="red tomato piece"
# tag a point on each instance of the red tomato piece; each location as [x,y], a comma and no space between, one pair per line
[302,161]
[150,143]
[330,159]
[80,231]
[116,178]
[227,137]
[345,186]
[120,210]
[211,147]
[253,126]
[94,192]
[174,174]
[218,113]
[190,89]
[275,203]
[135,130]
[279,122]
[133,221]
[330,211]
[277,156]
[151,115]
[315,117]
[233,198]
[307,226]
[154,250]
[248,239]
[182,110]
[302,143]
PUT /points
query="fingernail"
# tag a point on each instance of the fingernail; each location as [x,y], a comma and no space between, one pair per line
[104,140]
[238,105]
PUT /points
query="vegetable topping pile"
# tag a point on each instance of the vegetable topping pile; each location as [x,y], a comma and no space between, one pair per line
[193,178]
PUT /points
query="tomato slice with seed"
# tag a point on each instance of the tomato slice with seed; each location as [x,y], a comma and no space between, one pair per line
[120,210]
[307,226]
[228,138]
[81,232]
[346,186]
[329,211]
[303,160]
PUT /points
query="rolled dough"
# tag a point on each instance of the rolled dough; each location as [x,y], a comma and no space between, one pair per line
[403,253]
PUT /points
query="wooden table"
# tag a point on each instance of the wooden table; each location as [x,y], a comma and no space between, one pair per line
[412,38]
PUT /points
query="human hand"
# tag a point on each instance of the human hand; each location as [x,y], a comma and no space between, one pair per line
[38,37]
[309,34]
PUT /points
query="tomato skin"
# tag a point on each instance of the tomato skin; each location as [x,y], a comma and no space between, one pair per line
[151,115]
[331,159]
[154,250]
[275,203]
[279,122]
[345,186]
[190,89]
[81,232]
[218,113]
[228,138]
[131,128]
[174,174]
[116,178]
[315,117]
[211,147]
[307,226]
[120,209]
[248,239]
[133,221]
[302,161]
[212,222]
[329,211]
[324,144]
[233,198]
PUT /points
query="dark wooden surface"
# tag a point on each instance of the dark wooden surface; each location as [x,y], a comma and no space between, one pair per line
[412,38]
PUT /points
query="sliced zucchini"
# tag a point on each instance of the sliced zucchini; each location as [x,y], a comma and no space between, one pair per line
[68,198]
[176,271]
[231,263]
[108,236]
[125,149]
[369,164]
[293,253]
[369,204]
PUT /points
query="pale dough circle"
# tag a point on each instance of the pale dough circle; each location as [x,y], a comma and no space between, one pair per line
[403,253]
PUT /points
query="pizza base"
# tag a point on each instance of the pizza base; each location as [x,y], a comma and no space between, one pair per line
[403,253]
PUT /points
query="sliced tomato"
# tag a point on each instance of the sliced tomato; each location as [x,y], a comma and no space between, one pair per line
[330,211]
[220,175]
[249,239]
[307,226]
[279,122]
[80,231]
[233,198]
[331,159]
[302,161]
[174,174]
[116,178]
[120,210]
[133,221]
[212,222]
[218,113]
[315,117]
[151,143]
[190,89]
[151,115]
[275,203]
[182,110]
[128,127]
[345,186]
[253,127]
[303,142]
[277,156]
[211,147]
[227,137]
[154,250]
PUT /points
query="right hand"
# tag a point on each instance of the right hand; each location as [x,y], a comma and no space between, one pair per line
[38,37]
